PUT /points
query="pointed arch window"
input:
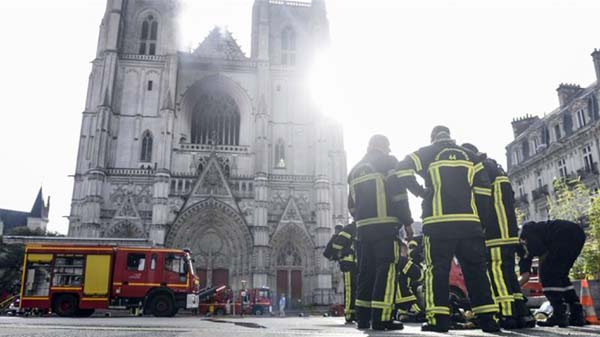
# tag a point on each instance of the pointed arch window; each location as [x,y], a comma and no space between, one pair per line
[288,47]
[149,36]
[216,120]
[280,154]
[146,155]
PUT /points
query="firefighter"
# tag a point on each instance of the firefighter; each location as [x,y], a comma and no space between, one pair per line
[379,206]
[409,273]
[329,253]
[457,193]
[343,243]
[341,248]
[502,240]
[557,243]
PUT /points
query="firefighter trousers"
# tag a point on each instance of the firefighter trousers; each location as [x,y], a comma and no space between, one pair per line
[501,268]
[349,294]
[471,254]
[555,267]
[376,280]
[405,298]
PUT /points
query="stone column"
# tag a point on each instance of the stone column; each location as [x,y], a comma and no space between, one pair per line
[92,203]
[323,292]
[260,229]
[160,207]
[260,232]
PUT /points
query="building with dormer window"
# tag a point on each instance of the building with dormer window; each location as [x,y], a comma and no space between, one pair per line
[564,144]
[213,149]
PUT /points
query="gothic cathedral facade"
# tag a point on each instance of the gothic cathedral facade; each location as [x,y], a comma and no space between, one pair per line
[212,149]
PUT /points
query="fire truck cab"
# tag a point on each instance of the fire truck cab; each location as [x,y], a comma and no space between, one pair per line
[257,301]
[74,280]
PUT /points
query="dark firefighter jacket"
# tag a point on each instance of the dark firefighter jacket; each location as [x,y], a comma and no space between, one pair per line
[378,205]
[501,225]
[329,252]
[547,236]
[457,189]
[341,248]
[344,244]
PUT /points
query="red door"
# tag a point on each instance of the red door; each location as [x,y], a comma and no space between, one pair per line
[296,288]
[282,283]
[220,277]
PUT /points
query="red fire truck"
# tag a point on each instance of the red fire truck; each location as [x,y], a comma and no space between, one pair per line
[218,304]
[74,280]
[257,302]
[533,289]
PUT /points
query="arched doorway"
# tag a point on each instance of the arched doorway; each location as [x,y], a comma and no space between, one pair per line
[221,243]
[293,264]
[289,276]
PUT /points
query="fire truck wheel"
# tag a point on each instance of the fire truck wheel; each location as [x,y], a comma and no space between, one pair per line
[65,305]
[162,305]
[220,312]
[258,311]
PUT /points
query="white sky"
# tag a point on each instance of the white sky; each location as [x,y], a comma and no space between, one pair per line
[401,67]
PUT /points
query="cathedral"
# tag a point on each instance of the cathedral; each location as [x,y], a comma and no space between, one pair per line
[213,149]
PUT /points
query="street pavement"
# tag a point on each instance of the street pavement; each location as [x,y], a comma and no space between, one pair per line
[237,327]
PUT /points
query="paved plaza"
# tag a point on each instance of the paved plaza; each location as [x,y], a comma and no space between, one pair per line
[246,327]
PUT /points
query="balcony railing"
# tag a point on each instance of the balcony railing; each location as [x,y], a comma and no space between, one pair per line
[522,200]
[217,148]
[290,3]
[540,192]
[147,58]
[588,172]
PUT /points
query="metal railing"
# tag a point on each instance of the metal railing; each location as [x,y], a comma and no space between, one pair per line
[540,192]
[523,199]
[290,3]
[138,57]
[588,171]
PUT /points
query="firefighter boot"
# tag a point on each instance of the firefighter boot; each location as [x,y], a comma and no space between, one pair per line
[576,316]
[509,322]
[525,319]
[558,317]
[487,323]
[442,324]
[391,325]
[363,318]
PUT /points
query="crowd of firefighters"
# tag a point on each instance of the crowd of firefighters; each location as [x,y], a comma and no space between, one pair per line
[468,213]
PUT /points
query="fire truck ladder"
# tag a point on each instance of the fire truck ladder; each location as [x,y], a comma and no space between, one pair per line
[6,303]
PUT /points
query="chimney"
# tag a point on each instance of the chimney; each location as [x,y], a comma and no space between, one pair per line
[596,58]
[521,124]
[566,93]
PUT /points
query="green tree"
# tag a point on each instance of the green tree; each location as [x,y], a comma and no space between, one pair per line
[11,259]
[573,201]
[591,250]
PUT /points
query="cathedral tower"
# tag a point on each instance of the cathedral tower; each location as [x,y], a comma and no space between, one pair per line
[213,149]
